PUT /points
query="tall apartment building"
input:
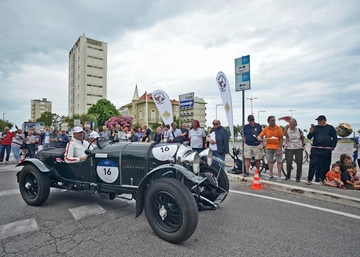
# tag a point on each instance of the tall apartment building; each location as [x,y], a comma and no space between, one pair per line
[196,112]
[39,106]
[87,74]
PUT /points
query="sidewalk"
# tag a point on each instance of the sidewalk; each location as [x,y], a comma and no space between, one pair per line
[315,190]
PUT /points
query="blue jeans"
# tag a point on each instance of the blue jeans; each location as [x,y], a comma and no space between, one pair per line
[7,148]
[16,151]
[220,156]
[31,150]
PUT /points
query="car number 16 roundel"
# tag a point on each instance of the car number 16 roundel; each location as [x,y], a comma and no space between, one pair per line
[163,152]
[107,171]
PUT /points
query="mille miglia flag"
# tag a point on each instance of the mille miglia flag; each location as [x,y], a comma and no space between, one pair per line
[163,104]
[224,89]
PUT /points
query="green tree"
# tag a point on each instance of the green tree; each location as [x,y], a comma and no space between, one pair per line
[4,124]
[103,110]
[51,119]
[83,117]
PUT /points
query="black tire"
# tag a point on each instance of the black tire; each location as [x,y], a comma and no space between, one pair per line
[174,199]
[283,169]
[223,180]
[34,185]
[263,164]
[305,156]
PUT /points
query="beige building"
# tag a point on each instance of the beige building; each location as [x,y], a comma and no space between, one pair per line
[87,74]
[138,110]
[144,111]
[39,106]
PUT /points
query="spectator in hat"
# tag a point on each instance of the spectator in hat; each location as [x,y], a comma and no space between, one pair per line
[163,132]
[324,142]
[93,139]
[252,146]
[6,143]
[75,148]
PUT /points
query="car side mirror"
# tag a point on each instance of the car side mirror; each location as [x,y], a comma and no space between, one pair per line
[88,151]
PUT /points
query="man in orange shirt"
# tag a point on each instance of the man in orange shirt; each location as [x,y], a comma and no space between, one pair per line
[274,140]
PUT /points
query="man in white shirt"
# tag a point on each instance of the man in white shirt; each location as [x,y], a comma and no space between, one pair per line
[197,136]
[75,148]
[173,133]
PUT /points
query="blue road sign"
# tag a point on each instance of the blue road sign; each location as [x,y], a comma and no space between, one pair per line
[189,103]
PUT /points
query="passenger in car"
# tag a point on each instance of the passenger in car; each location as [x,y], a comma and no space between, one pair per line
[75,148]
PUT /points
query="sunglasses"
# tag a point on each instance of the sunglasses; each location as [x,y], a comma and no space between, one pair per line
[215,124]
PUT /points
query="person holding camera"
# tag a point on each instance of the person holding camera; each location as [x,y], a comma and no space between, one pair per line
[17,143]
[324,142]
[6,143]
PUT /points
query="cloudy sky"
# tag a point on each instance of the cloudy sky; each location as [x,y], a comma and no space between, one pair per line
[305,55]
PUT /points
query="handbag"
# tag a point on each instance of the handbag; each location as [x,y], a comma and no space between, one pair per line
[178,139]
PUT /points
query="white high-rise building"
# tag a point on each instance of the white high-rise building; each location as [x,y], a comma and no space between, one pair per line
[87,74]
[39,106]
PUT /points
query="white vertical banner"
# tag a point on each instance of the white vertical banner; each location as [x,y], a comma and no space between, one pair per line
[163,104]
[225,93]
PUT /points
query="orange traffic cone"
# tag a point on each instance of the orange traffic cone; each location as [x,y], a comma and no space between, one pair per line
[256,182]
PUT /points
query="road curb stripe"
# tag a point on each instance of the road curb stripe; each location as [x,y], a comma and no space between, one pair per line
[349,215]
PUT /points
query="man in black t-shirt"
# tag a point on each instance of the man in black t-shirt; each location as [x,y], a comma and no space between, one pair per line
[324,142]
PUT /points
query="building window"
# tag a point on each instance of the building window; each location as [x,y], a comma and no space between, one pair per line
[140,115]
[153,115]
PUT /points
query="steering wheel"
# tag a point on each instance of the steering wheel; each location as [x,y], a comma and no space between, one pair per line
[97,143]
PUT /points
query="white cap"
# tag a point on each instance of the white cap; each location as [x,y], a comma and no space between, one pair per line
[94,134]
[78,129]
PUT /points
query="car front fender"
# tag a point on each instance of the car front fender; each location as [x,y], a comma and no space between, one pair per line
[36,162]
[143,184]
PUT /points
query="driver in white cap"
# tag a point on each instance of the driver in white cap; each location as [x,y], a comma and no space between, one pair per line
[75,149]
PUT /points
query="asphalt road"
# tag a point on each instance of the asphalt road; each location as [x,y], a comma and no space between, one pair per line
[248,223]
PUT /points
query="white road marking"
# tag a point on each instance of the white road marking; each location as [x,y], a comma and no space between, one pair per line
[299,204]
[17,228]
[10,192]
[87,210]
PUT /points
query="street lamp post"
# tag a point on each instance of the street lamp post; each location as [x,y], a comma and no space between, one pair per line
[259,115]
[216,109]
[4,116]
[251,98]
[291,111]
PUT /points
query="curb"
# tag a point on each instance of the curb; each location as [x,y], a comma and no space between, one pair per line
[306,192]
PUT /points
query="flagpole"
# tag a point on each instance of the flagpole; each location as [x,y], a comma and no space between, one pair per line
[243,133]
[146,109]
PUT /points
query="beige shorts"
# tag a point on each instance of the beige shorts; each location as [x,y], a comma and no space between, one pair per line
[271,155]
[253,150]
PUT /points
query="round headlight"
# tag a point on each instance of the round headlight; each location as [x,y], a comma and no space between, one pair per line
[194,160]
[208,155]
[182,152]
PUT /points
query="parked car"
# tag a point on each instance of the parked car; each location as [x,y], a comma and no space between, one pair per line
[170,181]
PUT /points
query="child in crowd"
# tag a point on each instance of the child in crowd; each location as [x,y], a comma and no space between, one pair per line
[333,177]
[354,176]
[347,178]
